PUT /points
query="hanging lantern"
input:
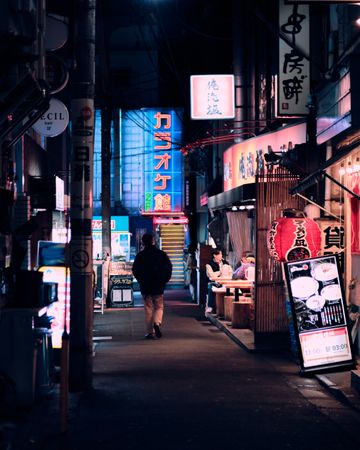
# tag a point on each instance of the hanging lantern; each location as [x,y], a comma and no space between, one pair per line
[293,238]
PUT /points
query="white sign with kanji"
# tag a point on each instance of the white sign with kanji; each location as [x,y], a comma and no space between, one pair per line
[293,87]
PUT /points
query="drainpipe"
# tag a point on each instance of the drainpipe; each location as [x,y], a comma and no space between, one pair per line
[239,64]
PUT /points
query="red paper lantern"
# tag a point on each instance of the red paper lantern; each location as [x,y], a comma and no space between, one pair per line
[293,238]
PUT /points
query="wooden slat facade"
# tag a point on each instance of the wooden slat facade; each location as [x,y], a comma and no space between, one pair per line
[272,197]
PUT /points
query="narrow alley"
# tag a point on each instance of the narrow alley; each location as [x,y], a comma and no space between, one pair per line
[193,389]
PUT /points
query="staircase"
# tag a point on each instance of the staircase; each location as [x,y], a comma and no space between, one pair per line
[172,242]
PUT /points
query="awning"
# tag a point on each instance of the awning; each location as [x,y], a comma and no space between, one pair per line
[21,108]
[318,175]
[241,194]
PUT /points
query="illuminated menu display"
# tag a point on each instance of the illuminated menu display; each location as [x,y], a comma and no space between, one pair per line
[60,310]
[163,162]
[319,312]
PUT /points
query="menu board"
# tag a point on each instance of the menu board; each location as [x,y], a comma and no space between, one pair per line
[319,311]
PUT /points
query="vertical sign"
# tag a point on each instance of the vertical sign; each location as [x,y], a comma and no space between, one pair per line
[333,239]
[82,184]
[163,163]
[294,68]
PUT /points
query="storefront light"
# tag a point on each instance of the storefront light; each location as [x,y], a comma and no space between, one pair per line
[342,170]
[250,207]
[357,165]
[242,207]
[349,168]
[234,208]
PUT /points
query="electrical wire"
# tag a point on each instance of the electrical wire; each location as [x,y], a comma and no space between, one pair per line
[195,30]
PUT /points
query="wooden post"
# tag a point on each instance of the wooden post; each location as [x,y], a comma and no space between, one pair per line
[228,301]
[220,304]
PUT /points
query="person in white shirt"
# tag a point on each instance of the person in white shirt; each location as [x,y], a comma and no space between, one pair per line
[216,268]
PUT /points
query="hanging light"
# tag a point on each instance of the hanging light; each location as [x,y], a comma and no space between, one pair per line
[356,167]
[342,170]
[293,238]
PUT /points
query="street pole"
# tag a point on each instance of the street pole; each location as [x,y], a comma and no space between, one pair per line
[105,179]
[82,155]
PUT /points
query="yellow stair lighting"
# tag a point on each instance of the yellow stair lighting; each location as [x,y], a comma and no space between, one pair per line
[172,242]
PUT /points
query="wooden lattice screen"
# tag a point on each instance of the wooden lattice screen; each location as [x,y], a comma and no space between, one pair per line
[272,197]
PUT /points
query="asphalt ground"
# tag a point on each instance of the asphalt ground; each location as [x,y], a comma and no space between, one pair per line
[194,388]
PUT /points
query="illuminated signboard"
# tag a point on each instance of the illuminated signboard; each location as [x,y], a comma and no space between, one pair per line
[120,237]
[60,310]
[244,160]
[117,223]
[321,1]
[319,311]
[212,97]
[163,169]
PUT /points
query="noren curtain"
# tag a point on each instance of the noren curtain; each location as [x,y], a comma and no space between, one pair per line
[239,232]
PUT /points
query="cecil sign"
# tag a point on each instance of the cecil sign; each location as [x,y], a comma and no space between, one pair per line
[54,121]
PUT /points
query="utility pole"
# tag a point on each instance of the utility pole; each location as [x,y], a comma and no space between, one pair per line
[105,179]
[82,155]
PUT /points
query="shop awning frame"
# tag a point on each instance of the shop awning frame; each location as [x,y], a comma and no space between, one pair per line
[318,175]
[236,196]
[25,103]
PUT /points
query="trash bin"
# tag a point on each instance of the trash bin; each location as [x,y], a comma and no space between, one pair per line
[42,340]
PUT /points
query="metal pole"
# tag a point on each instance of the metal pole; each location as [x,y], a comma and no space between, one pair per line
[105,179]
[82,155]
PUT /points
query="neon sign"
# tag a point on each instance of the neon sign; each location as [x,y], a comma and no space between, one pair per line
[163,162]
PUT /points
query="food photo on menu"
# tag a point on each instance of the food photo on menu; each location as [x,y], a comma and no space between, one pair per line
[315,288]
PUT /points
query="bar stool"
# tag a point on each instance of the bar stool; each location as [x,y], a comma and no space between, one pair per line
[241,313]
[219,299]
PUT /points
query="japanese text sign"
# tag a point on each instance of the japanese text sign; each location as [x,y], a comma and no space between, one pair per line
[294,69]
[333,239]
[163,162]
[244,160]
[212,97]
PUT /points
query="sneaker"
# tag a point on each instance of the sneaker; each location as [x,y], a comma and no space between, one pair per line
[158,332]
[149,336]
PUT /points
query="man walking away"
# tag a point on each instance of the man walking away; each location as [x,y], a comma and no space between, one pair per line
[152,268]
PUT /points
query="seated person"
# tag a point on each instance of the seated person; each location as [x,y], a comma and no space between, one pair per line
[247,269]
[216,268]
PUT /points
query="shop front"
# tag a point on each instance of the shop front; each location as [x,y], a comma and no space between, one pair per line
[337,182]
[256,190]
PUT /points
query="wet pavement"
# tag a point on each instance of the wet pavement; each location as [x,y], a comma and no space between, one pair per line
[196,388]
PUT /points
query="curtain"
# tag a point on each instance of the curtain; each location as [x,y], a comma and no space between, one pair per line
[239,232]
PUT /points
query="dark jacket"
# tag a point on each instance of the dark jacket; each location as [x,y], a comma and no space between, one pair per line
[216,266]
[152,268]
